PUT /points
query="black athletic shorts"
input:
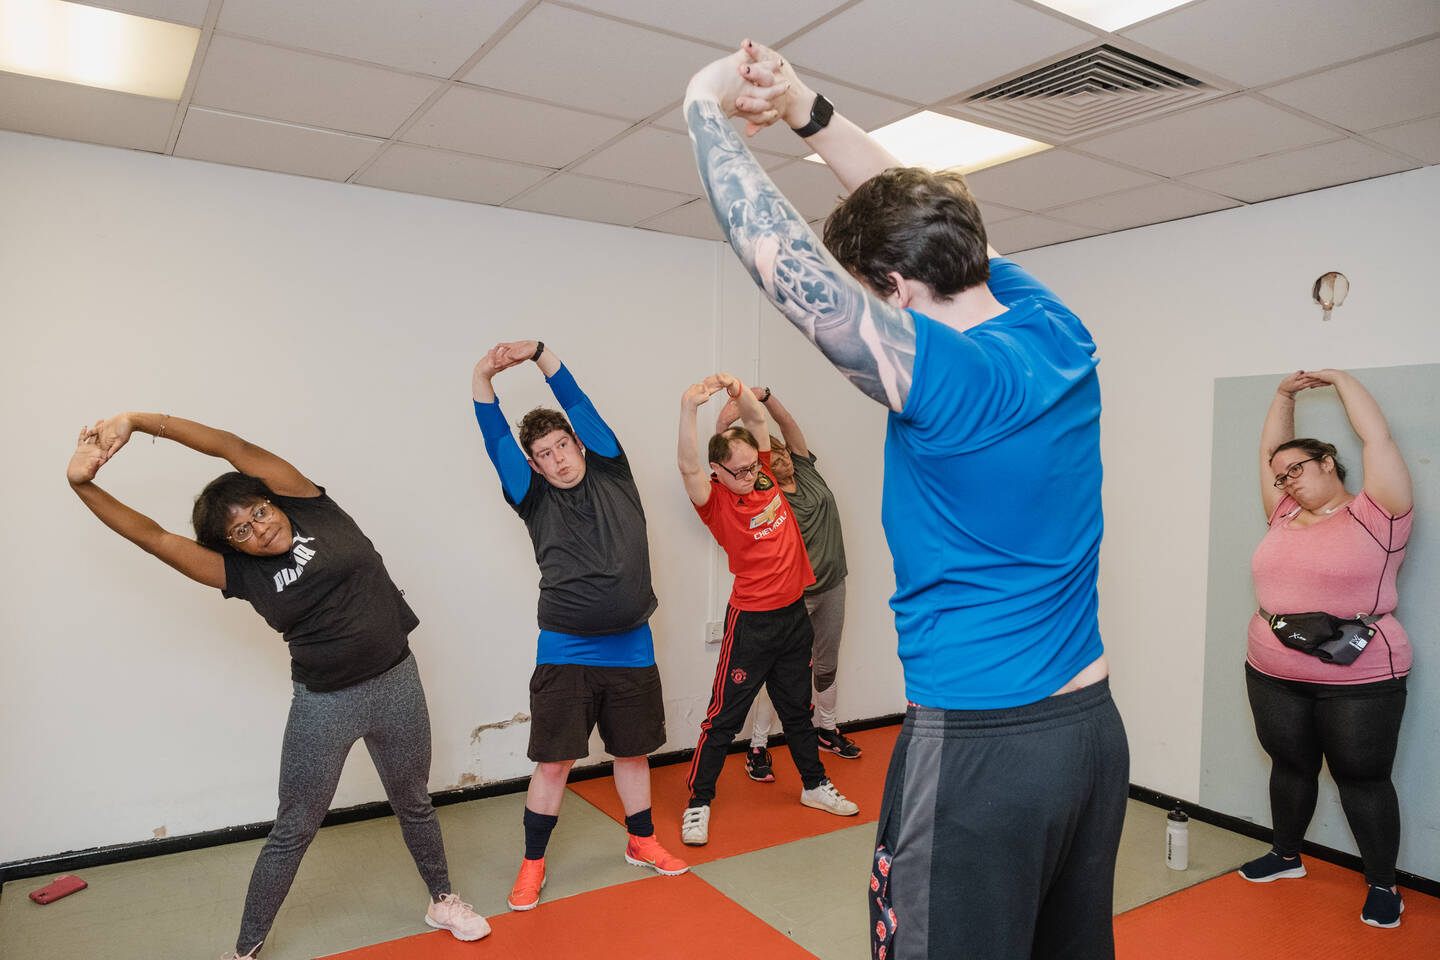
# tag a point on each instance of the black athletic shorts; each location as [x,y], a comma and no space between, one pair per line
[568,700]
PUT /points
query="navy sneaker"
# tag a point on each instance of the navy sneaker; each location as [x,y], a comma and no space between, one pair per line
[757,765]
[1272,866]
[1382,907]
[837,743]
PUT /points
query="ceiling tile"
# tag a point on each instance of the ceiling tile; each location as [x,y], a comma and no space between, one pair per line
[695,219]
[1026,233]
[1393,87]
[1309,169]
[996,213]
[581,60]
[810,187]
[928,52]
[265,81]
[656,158]
[1420,139]
[189,12]
[1208,136]
[510,128]
[1050,178]
[433,37]
[727,23]
[584,198]
[272,145]
[438,173]
[865,110]
[1254,43]
[1155,203]
[70,111]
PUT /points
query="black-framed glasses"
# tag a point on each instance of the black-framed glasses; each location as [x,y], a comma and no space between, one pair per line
[743,472]
[1293,471]
[260,514]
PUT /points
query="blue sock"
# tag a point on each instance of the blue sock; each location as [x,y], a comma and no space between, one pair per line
[537,832]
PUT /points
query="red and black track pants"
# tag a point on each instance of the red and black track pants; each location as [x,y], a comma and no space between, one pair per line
[770,647]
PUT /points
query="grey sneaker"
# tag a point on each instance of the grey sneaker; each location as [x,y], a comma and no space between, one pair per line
[826,797]
[695,826]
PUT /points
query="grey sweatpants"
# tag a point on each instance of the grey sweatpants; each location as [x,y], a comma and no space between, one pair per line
[827,616]
[389,713]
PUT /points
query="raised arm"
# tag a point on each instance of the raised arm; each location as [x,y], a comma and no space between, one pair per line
[196,562]
[279,475]
[851,154]
[590,428]
[1387,478]
[870,341]
[752,411]
[1279,428]
[790,430]
[692,472]
[509,460]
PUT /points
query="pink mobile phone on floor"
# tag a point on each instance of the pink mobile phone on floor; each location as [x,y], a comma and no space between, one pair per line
[59,887]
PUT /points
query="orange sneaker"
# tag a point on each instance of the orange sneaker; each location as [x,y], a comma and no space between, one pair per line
[647,852]
[528,884]
[453,914]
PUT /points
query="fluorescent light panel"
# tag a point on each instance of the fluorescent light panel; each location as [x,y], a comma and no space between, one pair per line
[96,48]
[939,142]
[1112,14]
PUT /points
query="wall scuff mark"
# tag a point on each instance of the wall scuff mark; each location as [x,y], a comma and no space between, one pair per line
[498,725]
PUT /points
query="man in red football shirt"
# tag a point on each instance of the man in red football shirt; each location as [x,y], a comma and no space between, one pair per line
[767,631]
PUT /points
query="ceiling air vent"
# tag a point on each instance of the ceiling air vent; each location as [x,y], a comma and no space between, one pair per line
[1084,94]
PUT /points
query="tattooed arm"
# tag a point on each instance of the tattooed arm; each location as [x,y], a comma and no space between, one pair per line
[871,342]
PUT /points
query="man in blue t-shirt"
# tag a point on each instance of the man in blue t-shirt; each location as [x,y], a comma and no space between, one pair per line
[1008,783]
[595,661]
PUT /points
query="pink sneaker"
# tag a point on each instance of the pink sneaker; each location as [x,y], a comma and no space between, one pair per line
[451,913]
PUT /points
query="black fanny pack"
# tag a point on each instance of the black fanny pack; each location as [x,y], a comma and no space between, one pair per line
[1321,635]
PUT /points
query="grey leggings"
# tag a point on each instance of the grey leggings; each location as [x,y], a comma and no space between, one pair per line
[827,616]
[389,713]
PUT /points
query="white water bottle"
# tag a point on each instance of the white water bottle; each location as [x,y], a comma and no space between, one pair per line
[1177,840]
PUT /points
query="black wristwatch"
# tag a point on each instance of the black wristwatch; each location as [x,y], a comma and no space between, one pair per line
[539,349]
[820,113]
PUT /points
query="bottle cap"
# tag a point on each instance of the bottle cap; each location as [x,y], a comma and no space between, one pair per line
[1177,815]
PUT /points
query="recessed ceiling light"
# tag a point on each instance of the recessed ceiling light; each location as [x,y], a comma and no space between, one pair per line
[1112,14]
[939,142]
[96,48]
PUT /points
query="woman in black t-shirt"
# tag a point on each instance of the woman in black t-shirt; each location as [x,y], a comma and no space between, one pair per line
[267,535]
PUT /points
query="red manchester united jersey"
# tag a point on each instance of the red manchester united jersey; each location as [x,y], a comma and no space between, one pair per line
[762,540]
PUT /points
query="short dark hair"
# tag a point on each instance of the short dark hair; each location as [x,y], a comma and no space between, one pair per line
[720,443]
[211,514]
[541,422]
[921,224]
[1316,449]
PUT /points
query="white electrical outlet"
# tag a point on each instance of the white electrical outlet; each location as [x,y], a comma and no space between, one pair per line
[714,631]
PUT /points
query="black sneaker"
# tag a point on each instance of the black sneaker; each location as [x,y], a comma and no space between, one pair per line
[1272,866]
[837,743]
[1382,908]
[757,765]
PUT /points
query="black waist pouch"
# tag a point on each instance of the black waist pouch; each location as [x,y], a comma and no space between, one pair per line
[1322,635]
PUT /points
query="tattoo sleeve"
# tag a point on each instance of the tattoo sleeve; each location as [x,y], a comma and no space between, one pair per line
[869,341]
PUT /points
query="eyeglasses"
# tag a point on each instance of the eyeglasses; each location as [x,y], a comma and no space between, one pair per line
[1293,471]
[743,472]
[243,532]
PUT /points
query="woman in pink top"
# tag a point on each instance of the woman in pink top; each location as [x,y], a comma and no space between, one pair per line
[1333,551]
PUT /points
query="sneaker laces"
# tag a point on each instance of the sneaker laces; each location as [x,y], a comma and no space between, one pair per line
[453,901]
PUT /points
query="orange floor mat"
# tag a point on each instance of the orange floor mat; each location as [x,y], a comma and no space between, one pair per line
[746,815]
[1314,918]
[655,917]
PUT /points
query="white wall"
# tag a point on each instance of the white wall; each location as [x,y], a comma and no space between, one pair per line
[1175,306]
[337,326]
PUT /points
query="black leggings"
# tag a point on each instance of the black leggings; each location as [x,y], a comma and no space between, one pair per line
[1355,728]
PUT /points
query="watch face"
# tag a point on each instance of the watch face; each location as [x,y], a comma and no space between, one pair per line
[821,112]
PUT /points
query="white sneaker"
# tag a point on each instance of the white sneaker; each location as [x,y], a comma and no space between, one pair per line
[826,797]
[695,826]
[453,914]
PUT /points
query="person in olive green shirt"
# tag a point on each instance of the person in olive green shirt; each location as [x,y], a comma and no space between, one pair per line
[793,464]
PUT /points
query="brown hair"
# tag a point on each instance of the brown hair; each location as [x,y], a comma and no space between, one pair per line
[720,443]
[920,224]
[1315,449]
[541,422]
